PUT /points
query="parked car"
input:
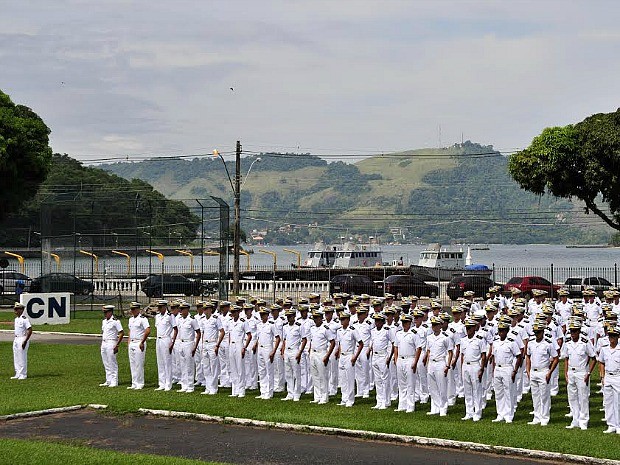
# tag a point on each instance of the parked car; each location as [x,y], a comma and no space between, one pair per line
[405,284]
[576,285]
[355,284]
[527,283]
[458,285]
[9,280]
[158,285]
[61,282]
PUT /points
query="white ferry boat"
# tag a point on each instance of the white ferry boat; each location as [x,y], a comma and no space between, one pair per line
[444,262]
[347,255]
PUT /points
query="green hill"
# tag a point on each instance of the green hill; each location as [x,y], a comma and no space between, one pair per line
[461,193]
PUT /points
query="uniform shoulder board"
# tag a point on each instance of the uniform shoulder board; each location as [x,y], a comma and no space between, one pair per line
[387,328]
[485,329]
[453,330]
[478,336]
[548,340]
[584,339]
[351,326]
[510,339]
[298,323]
[214,315]
[326,326]
[414,331]
[242,319]
[272,322]
[24,317]
[496,338]
[368,321]
[520,325]
[113,318]
[533,338]
[425,325]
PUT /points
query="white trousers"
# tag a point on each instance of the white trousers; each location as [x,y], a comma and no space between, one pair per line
[611,399]
[346,377]
[292,372]
[332,374]
[223,356]
[176,362]
[362,374]
[265,372]
[504,391]
[279,376]
[210,367]
[164,362]
[578,397]
[186,364]
[406,383]
[438,386]
[472,390]
[200,377]
[251,369]
[236,366]
[381,373]
[136,364]
[20,357]
[422,383]
[318,372]
[108,357]
[541,395]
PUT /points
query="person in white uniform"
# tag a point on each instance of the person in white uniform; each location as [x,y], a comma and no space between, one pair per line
[438,359]
[279,377]
[542,358]
[381,350]
[332,366]
[250,359]
[407,351]
[507,359]
[212,332]
[21,342]
[166,327]
[350,346]
[222,353]
[266,347]
[176,358]
[111,336]
[199,317]
[240,338]
[609,358]
[294,341]
[473,362]
[139,330]
[362,365]
[322,342]
[189,338]
[580,361]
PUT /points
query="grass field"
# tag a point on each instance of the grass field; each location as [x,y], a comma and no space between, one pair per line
[29,452]
[82,321]
[61,375]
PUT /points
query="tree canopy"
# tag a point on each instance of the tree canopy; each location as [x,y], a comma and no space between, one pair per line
[576,161]
[25,154]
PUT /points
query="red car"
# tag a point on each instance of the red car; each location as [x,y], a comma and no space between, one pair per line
[527,283]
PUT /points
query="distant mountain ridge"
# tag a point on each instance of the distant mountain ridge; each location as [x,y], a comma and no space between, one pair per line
[460,193]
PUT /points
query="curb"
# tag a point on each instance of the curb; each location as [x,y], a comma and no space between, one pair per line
[57,333]
[40,413]
[386,437]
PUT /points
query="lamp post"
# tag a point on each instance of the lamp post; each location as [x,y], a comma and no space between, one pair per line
[236,189]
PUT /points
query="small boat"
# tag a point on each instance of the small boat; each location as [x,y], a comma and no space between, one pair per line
[347,255]
[443,263]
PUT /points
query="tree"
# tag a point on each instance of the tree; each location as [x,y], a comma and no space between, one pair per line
[25,154]
[576,161]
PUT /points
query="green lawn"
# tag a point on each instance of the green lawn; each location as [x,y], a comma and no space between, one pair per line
[29,452]
[82,321]
[62,375]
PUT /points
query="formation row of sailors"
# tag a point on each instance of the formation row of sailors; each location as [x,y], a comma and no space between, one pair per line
[407,352]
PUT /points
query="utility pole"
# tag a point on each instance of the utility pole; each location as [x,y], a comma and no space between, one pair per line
[237,237]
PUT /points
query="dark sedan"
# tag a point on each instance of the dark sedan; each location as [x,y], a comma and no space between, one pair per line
[405,285]
[61,282]
[158,285]
[354,284]
[461,284]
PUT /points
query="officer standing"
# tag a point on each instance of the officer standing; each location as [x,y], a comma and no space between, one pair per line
[473,363]
[322,342]
[438,359]
[212,337]
[609,358]
[189,334]
[226,318]
[240,338]
[542,358]
[381,349]
[21,343]
[139,330]
[362,365]
[278,361]
[266,347]
[199,317]
[176,358]
[507,359]
[294,341]
[407,350]
[580,355]
[111,336]
[166,326]
[349,348]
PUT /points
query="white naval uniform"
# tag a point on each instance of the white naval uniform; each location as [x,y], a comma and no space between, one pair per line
[320,338]
[422,394]
[332,365]
[472,349]
[362,366]
[251,358]
[578,354]
[165,325]
[200,377]
[348,340]
[20,354]
[223,352]
[293,336]
[505,354]
[239,331]
[176,354]
[210,332]
[266,334]
[109,338]
[541,355]
[455,377]
[381,346]
[186,340]
[437,347]
[610,357]
[306,379]
[137,327]
[279,378]
[408,343]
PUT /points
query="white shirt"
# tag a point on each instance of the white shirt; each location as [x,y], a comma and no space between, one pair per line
[611,358]
[266,334]
[407,342]
[22,323]
[210,327]
[165,324]
[320,337]
[541,352]
[238,330]
[187,328]
[110,329]
[348,339]
[364,329]
[578,353]
[472,348]
[137,327]
[505,352]
[381,340]
[438,346]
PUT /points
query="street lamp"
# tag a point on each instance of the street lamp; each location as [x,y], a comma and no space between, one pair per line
[236,189]
[115,238]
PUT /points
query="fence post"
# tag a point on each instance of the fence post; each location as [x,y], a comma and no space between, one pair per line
[552,281]
[615,274]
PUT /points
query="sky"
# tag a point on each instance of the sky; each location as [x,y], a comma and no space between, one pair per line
[135,78]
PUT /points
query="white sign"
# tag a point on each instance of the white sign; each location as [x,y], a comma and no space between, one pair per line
[50,309]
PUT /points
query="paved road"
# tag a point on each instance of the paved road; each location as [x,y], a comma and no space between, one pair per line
[232,444]
[51,338]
